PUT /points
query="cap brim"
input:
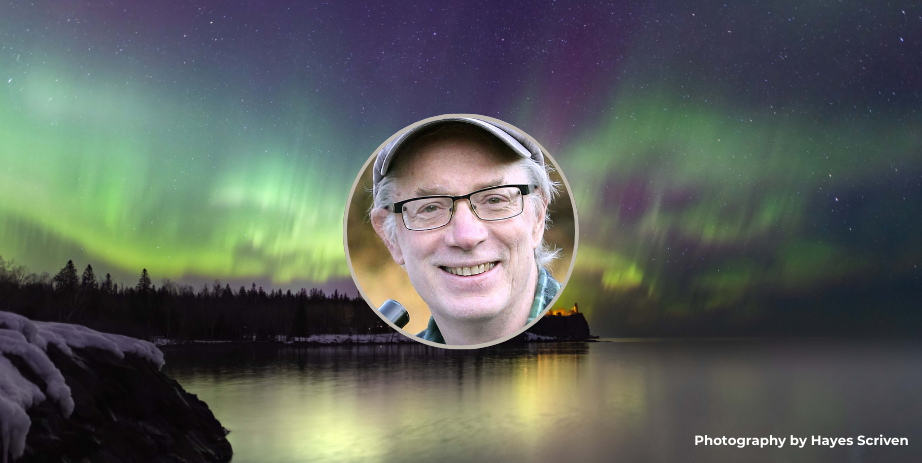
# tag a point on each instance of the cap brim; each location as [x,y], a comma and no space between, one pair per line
[519,143]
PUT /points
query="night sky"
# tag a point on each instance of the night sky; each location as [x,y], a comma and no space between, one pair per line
[727,161]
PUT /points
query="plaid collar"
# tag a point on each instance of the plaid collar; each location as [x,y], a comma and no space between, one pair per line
[545,291]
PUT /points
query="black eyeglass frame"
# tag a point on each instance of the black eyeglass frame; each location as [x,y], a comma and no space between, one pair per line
[397,208]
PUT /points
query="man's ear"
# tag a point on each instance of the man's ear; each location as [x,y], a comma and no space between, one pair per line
[537,233]
[378,217]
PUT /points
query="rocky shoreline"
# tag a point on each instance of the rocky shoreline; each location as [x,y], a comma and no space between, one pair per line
[68,393]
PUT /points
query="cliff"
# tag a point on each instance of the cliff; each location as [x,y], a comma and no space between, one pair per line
[68,393]
[573,327]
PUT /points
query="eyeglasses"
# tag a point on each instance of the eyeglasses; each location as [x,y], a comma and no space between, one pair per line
[489,204]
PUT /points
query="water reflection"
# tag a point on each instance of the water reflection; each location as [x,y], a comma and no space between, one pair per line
[552,402]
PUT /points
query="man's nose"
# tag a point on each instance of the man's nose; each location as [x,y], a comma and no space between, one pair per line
[466,231]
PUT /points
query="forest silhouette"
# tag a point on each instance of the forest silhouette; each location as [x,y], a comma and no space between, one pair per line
[177,311]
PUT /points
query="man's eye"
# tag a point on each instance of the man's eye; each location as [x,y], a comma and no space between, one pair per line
[430,208]
[496,200]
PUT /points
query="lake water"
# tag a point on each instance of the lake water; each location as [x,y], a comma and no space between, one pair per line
[549,402]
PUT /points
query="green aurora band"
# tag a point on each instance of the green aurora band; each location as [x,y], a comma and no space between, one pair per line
[138,179]
[724,204]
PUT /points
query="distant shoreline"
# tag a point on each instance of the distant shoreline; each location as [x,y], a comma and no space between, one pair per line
[335,340]
[317,339]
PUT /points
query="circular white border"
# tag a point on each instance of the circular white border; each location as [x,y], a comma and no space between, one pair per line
[413,336]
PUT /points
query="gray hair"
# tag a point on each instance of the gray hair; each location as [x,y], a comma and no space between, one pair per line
[547,191]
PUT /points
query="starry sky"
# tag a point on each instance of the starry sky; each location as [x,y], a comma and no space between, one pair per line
[728,161]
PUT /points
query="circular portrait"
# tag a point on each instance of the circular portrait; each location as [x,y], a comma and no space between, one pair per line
[460,231]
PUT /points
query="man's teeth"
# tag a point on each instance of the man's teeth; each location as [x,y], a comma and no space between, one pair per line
[467,271]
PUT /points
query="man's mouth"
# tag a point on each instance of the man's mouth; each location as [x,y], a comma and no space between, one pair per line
[469,271]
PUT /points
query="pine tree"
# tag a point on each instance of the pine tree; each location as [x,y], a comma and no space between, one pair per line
[88,281]
[107,286]
[66,279]
[144,285]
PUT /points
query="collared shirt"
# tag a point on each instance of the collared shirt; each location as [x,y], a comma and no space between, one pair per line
[545,291]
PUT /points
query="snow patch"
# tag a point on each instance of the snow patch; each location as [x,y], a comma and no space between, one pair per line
[381,338]
[538,337]
[28,341]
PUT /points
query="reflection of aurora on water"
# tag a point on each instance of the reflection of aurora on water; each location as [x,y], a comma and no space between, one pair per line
[725,161]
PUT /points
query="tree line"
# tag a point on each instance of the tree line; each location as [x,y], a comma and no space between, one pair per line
[178,311]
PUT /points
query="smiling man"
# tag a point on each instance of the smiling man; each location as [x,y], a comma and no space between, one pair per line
[461,203]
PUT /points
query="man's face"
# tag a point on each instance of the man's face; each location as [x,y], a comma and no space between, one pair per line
[458,167]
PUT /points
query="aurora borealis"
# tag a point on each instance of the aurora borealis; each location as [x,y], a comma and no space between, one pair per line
[723,159]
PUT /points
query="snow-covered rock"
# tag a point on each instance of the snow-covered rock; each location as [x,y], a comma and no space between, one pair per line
[70,393]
